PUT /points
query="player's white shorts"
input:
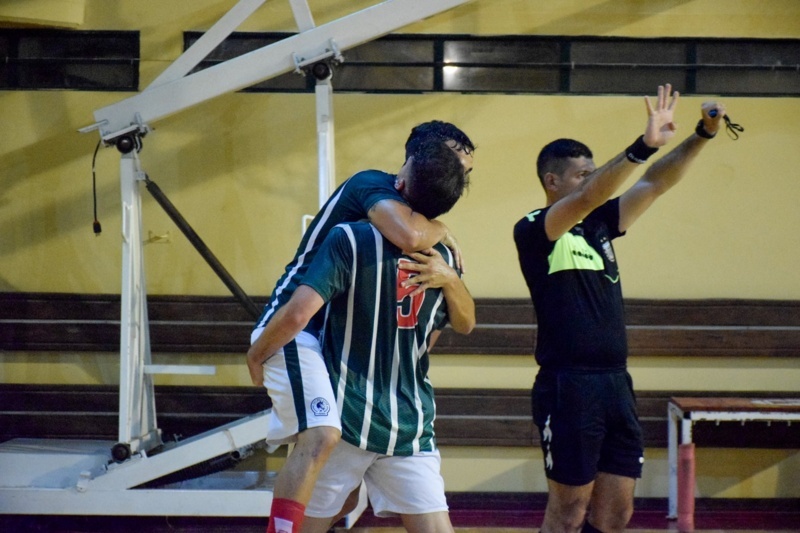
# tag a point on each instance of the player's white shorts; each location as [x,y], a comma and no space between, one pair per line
[408,484]
[296,374]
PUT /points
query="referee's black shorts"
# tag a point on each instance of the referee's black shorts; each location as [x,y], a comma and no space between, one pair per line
[588,424]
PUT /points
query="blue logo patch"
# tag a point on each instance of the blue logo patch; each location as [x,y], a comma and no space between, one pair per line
[320,407]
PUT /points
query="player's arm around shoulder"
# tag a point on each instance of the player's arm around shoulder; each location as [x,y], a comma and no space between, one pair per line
[405,228]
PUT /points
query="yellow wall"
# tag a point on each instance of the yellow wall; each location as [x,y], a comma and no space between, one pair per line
[242,170]
[43,13]
[249,160]
[720,472]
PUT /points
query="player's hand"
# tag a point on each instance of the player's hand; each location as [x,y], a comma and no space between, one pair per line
[660,127]
[432,271]
[712,123]
[450,241]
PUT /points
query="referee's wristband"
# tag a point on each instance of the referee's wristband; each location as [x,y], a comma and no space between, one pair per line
[639,152]
[701,131]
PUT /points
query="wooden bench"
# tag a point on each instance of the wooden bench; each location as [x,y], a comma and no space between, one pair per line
[34,322]
[684,412]
[197,324]
[465,417]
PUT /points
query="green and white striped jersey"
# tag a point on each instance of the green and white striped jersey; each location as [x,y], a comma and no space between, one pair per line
[375,340]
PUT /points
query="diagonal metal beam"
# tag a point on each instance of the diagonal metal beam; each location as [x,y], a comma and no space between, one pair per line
[206,44]
[302,14]
[289,54]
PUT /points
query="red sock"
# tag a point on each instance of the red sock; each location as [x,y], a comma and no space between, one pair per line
[286,516]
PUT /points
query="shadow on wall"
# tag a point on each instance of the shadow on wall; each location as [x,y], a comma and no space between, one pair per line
[724,472]
[198,147]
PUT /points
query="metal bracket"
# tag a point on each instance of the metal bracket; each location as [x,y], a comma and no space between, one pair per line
[332,50]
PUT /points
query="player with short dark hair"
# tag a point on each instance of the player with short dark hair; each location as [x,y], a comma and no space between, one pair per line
[379,327]
[582,399]
[436,165]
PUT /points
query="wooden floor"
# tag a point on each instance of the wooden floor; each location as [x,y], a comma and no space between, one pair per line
[470,513]
[127,525]
[710,522]
[124,525]
[532,530]
[523,513]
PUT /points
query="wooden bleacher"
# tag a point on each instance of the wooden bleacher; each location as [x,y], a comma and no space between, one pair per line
[465,417]
[43,322]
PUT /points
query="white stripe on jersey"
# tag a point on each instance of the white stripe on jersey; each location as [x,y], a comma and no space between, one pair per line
[348,332]
[375,318]
[417,402]
[421,349]
[393,397]
[310,245]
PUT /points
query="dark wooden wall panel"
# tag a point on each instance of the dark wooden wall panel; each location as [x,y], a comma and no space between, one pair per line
[76,322]
[465,417]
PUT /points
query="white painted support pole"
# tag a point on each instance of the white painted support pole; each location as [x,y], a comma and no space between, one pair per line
[137,413]
[325,145]
[673,419]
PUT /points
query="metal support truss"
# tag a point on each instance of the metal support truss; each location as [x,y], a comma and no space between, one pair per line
[100,478]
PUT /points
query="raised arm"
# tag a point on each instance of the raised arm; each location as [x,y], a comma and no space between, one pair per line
[597,186]
[287,323]
[668,170]
[434,272]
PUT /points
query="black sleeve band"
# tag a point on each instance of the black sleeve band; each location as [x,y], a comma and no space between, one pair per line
[638,152]
[701,131]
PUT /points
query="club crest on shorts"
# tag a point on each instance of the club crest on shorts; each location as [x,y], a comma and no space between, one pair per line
[320,406]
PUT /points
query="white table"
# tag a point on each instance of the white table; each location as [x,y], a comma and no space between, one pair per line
[682,413]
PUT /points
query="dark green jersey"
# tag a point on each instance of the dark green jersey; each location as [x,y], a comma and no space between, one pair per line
[350,202]
[375,340]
